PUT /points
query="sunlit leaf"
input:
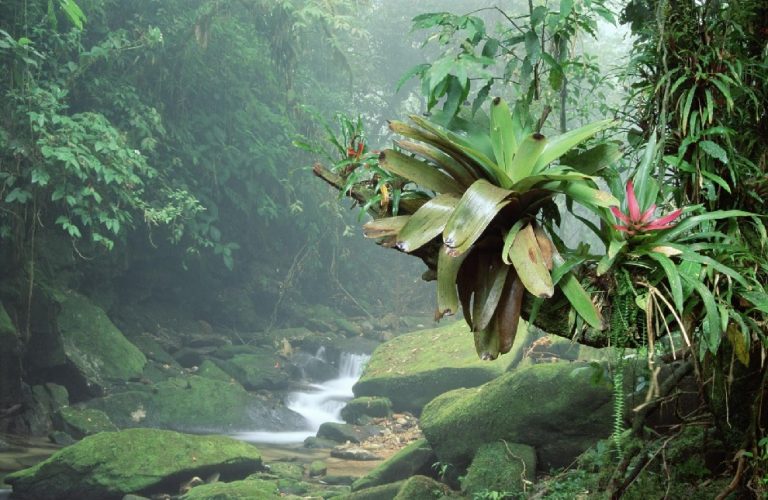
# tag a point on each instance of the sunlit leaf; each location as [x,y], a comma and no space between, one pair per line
[528,152]
[427,222]
[503,137]
[561,144]
[418,172]
[527,260]
[475,211]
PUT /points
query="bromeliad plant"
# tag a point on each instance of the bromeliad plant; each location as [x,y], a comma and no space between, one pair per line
[670,268]
[481,192]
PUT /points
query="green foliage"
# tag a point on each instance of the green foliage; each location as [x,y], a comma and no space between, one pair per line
[531,53]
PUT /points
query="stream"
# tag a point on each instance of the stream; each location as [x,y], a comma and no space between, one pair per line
[317,402]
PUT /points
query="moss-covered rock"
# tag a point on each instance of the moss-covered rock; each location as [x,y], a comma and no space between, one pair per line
[500,466]
[83,349]
[209,369]
[256,371]
[355,410]
[383,492]
[81,422]
[152,349]
[247,489]
[109,465]
[558,408]
[317,468]
[287,470]
[197,404]
[422,488]
[414,368]
[416,458]
[341,433]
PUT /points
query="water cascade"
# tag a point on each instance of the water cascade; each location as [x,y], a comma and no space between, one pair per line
[318,403]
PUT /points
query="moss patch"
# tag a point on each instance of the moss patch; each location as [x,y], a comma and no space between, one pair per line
[416,367]
[356,410]
[81,422]
[245,489]
[422,488]
[93,344]
[194,404]
[111,464]
[416,458]
[500,466]
[556,408]
[256,371]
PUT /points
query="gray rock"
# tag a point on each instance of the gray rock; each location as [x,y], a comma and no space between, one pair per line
[341,433]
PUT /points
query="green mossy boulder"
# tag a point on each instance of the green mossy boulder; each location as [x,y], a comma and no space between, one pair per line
[152,349]
[81,422]
[209,369]
[317,468]
[287,470]
[416,458]
[500,466]
[256,371]
[247,489]
[414,368]
[422,488]
[560,409]
[383,492]
[196,404]
[356,411]
[109,465]
[84,349]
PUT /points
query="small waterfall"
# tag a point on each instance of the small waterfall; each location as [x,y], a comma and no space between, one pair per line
[319,403]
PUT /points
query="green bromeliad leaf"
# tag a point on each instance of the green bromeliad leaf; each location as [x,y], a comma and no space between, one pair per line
[526,157]
[503,137]
[558,146]
[418,172]
[477,208]
[464,175]
[388,226]
[593,160]
[530,265]
[448,266]
[427,222]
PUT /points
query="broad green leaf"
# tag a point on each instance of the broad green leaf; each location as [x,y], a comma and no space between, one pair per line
[712,325]
[467,149]
[418,172]
[419,69]
[453,167]
[426,223]
[740,343]
[528,152]
[491,281]
[447,270]
[581,301]
[691,222]
[388,226]
[673,278]
[644,173]
[759,299]
[614,250]
[475,211]
[687,109]
[593,160]
[509,238]
[503,137]
[527,260]
[689,255]
[553,174]
[582,193]
[714,150]
[561,144]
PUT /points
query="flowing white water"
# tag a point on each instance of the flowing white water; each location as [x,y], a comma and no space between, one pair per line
[318,404]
